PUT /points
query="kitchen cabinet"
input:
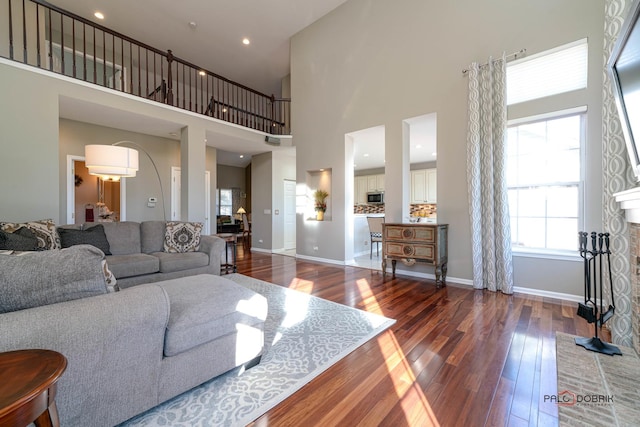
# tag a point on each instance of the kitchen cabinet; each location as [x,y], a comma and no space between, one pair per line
[375,182]
[424,186]
[365,184]
[360,190]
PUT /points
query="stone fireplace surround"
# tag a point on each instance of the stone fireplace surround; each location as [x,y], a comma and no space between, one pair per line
[630,202]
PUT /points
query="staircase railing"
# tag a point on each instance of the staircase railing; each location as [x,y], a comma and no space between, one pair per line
[37,33]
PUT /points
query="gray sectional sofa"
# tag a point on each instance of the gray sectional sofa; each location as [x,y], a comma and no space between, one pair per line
[138,256]
[130,350]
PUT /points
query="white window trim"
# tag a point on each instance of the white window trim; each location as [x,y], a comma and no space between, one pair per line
[547,253]
[550,51]
[564,255]
[558,114]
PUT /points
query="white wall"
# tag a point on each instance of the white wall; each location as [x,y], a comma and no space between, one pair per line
[377,63]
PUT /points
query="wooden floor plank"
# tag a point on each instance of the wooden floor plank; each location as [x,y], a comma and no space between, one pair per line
[455,356]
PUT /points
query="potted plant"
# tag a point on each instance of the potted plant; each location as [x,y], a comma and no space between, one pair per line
[320,203]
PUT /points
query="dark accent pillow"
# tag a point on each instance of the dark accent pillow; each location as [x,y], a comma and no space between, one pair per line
[93,236]
[22,239]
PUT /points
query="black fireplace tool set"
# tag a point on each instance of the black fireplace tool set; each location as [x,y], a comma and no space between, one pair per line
[593,310]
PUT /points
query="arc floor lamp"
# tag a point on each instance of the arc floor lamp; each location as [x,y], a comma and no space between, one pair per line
[115,162]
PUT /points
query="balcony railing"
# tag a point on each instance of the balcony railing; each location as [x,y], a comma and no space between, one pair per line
[39,34]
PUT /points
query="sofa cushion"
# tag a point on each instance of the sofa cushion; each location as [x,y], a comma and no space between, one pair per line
[182,236]
[132,265]
[206,307]
[123,237]
[44,230]
[179,262]
[92,236]
[22,239]
[48,277]
[152,236]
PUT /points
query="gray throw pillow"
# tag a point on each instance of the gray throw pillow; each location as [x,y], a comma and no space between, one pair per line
[48,277]
[94,236]
[22,239]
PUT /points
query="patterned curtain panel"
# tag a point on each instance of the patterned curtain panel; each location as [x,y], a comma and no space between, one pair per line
[486,177]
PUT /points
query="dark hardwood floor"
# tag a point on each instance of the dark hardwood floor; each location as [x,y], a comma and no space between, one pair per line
[455,356]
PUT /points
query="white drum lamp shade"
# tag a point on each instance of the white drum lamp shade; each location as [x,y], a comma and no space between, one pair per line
[111,160]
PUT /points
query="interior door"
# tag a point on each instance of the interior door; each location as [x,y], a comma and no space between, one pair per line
[289,214]
[176,191]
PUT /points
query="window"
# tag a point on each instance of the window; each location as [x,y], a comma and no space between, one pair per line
[544,180]
[225,201]
[551,72]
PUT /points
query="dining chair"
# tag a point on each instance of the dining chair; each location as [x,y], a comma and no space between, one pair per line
[246,231]
[375,233]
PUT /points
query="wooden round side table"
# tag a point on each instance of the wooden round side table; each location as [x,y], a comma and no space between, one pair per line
[28,387]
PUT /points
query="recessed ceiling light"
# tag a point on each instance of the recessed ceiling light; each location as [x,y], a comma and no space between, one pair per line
[321,170]
[365,155]
[242,156]
[173,134]
[419,146]
[193,25]
[202,73]
[99,15]
[246,41]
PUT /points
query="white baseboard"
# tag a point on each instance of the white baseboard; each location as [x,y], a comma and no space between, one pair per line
[323,260]
[549,294]
[517,289]
[264,251]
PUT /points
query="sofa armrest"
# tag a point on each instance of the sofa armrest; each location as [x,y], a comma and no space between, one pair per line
[114,346]
[215,247]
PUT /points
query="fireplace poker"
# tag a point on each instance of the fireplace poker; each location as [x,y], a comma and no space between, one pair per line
[584,309]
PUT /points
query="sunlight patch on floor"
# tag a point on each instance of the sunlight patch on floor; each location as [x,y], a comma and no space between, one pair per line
[368,298]
[296,306]
[416,408]
[301,285]
[415,405]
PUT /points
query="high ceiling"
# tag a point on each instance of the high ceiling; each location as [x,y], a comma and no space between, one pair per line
[215,43]
[209,33]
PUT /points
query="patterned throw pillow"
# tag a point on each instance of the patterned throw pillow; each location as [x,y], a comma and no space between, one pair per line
[109,278]
[44,230]
[182,236]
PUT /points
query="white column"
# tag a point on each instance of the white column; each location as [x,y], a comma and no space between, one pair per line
[192,165]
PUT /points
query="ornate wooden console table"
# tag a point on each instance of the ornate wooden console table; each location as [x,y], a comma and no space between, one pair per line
[416,243]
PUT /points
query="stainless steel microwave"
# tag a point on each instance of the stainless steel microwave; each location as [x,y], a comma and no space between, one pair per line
[375,198]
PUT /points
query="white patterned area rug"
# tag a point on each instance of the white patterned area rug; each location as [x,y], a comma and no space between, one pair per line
[304,336]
